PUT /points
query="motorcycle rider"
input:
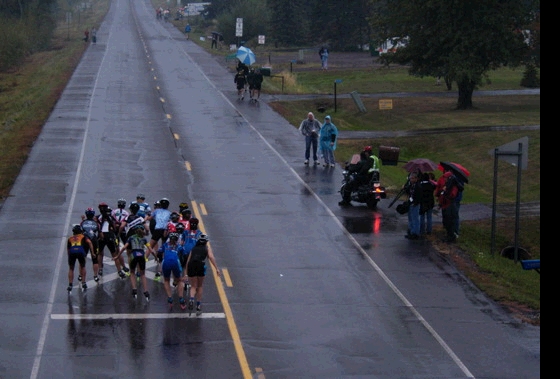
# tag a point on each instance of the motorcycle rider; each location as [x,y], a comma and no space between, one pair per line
[374,162]
[359,175]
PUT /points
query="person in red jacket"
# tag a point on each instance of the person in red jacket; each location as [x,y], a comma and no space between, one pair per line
[446,191]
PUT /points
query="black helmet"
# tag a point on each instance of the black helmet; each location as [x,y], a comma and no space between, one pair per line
[180,227]
[121,203]
[174,216]
[157,204]
[141,196]
[139,228]
[186,212]
[77,229]
[103,206]
[174,236]
[134,207]
[164,203]
[90,212]
[193,222]
[202,240]
[183,206]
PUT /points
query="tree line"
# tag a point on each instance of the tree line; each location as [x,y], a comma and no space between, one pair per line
[457,40]
[26,26]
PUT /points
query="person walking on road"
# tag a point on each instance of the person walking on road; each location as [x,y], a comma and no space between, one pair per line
[240,81]
[328,136]
[77,246]
[93,35]
[196,271]
[310,129]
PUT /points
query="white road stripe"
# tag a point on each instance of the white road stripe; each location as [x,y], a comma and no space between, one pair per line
[125,316]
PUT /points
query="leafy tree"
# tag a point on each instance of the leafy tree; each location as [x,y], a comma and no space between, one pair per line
[255,16]
[340,23]
[458,38]
[289,24]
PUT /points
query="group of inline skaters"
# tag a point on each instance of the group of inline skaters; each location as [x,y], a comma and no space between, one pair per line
[248,80]
[182,253]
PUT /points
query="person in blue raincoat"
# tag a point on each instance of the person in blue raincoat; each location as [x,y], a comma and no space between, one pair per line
[327,141]
[187,30]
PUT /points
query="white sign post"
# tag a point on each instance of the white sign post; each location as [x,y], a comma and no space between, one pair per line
[239,27]
[261,39]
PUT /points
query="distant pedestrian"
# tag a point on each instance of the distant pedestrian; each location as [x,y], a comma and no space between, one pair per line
[214,41]
[187,30]
[324,55]
[329,134]
[93,35]
[310,129]
[86,35]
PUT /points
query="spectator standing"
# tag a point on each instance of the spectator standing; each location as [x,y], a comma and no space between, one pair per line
[329,133]
[427,203]
[324,55]
[414,193]
[214,41]
[93,35]
[446,191]
[310,129]
[86,35]
[187,30]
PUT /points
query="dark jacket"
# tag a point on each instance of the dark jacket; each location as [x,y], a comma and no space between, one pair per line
[427,201]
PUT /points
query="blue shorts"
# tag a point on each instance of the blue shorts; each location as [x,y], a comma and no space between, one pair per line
[171,266]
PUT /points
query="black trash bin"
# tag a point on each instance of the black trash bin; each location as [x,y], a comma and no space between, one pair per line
[265,71]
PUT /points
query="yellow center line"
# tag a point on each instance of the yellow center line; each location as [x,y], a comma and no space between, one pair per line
[227,278]
[168,116]
[162,99]
[176,136]
[188,166]
[203,209]
[242,358]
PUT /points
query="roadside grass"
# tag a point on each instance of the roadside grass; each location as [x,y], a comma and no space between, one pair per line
[377,79]
[28,93]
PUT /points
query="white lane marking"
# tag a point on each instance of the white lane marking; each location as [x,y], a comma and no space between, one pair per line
[63,239]
[132,316]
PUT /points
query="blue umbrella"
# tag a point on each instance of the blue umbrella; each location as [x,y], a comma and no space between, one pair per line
[245,55]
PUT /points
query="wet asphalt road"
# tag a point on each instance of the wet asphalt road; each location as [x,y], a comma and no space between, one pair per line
[309,290]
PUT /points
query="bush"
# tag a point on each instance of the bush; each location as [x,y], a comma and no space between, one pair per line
[530,77]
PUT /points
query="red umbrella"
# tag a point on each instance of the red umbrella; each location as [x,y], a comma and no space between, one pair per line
[457,169]
[420,164]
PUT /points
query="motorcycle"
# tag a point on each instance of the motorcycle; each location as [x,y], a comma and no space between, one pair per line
[370,193]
